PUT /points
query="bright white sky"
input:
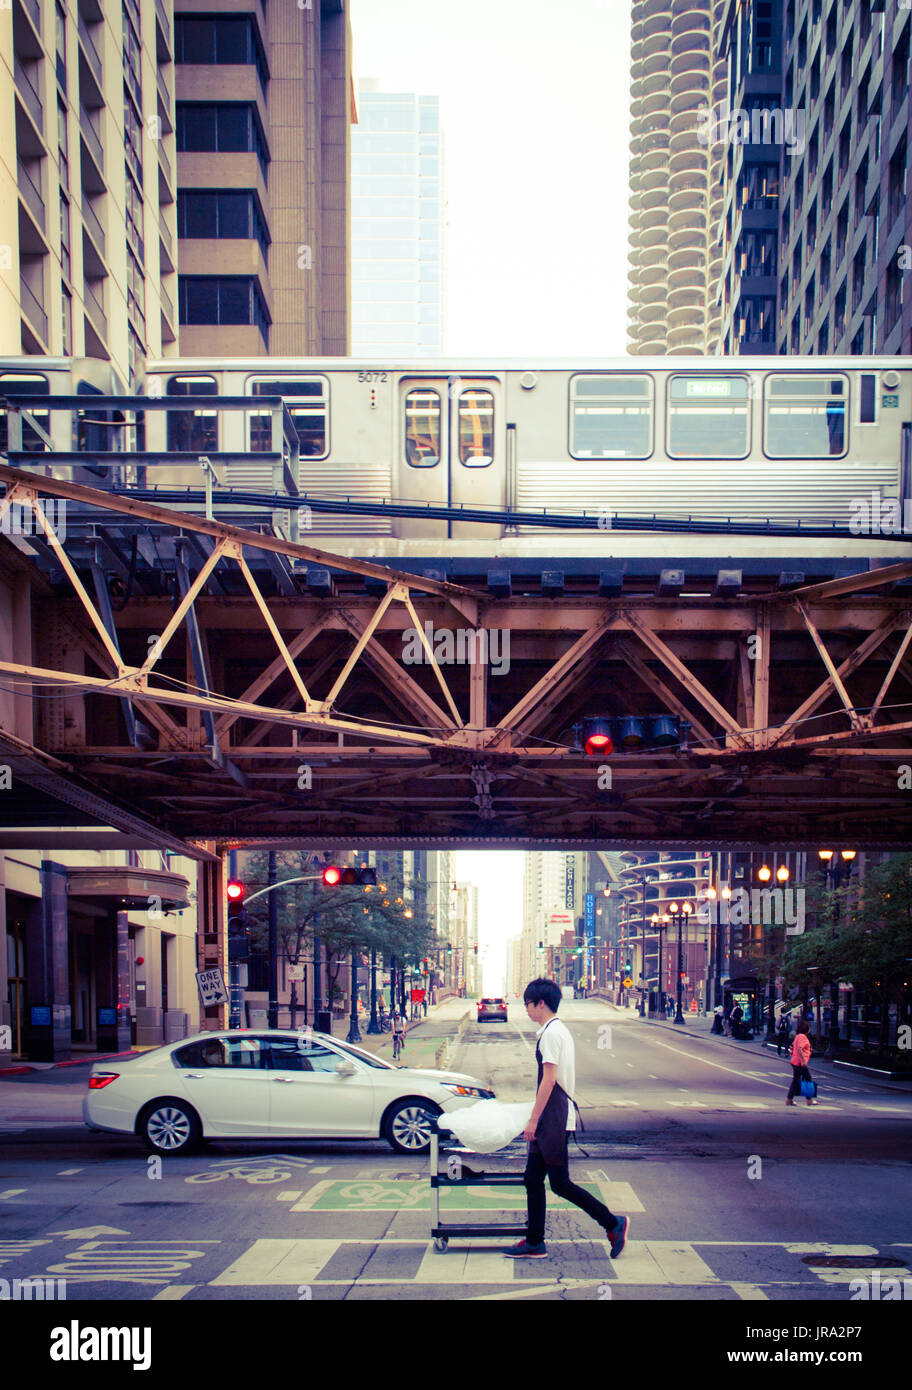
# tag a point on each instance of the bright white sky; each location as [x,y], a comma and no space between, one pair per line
[534,104]
[499,876]
[535,115]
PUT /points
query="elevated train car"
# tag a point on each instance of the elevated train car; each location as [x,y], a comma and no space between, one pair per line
[787,441]
[794,442]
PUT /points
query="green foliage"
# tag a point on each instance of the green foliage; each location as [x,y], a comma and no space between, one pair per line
[346,918]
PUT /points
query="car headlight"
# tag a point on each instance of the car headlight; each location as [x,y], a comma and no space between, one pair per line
[458,1090]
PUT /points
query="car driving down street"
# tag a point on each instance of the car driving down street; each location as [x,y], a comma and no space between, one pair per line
[270,1084]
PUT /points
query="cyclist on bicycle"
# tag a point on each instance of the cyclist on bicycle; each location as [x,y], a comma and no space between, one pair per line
[398,1033]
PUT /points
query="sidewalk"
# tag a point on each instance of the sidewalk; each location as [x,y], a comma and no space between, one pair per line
[417,1052]
[371,1041]
[699,1026]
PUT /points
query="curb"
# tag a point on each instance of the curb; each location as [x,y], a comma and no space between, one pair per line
[449,1045]
[73,1062]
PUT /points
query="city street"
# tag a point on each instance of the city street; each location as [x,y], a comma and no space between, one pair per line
[731,1195]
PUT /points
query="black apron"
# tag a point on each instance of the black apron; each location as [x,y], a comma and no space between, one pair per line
[551,1131]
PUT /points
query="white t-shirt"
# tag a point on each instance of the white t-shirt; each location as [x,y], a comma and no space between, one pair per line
[555,1043]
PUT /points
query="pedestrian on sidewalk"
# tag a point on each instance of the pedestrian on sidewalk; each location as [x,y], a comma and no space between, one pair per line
[550,1124]
[717,1020]
[800,1056]
[782,1033]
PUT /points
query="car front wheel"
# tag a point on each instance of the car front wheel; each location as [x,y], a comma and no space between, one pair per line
[408,1126]
[170,1127]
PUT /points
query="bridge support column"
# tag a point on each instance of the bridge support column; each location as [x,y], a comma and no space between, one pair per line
[47,955]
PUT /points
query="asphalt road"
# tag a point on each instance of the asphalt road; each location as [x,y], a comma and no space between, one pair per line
[731,1195]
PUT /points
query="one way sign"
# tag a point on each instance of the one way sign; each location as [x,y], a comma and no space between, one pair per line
[211,987]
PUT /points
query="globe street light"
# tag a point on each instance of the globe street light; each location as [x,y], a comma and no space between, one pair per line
[680,915]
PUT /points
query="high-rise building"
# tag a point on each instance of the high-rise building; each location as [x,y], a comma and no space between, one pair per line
[88,233]
[397,225]
[675,194]
[817,213]
[651,882]
[264,105]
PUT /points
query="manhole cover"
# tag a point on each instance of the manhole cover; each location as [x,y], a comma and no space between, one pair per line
[853,1262]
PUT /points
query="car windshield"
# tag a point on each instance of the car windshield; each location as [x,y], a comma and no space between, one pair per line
[362,1056]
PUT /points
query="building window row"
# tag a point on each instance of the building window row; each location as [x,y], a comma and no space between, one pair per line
[224,127]
[223,299]
[222,215]
[220,39]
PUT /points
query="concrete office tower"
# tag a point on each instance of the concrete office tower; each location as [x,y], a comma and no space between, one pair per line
[829,200]
[675,195]
[397,225]
[88,233]
[264,105]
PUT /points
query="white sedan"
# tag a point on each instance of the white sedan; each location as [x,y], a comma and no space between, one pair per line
[270,1084]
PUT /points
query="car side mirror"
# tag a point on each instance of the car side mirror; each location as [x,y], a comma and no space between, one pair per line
[346,1068]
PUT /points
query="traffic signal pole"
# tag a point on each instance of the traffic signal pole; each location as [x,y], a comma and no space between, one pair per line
[273,1014]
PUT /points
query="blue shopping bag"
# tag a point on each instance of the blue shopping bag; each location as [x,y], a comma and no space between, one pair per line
[809,1089]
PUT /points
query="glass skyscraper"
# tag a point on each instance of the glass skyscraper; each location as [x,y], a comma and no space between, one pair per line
[397,225]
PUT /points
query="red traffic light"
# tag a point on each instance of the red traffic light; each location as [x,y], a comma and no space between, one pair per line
[334,874]
[598,737]
[235,891]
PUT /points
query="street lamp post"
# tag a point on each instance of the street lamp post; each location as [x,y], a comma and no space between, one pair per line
[354,1032]
[680,916]
[660,926]
[840,869]
[374,1023]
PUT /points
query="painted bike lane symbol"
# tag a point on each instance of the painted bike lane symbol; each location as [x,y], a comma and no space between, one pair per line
[270,1168]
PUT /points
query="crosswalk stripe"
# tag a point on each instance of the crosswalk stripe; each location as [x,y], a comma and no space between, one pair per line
[749,1291]
[465,1267]
[279,1262]
[174,1292]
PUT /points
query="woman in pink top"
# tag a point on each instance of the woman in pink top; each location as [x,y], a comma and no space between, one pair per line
[800,1056]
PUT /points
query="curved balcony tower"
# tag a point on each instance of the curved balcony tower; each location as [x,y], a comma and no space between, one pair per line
[675,192]
[669,875]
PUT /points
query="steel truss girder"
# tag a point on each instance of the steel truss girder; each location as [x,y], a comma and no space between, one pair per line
[761,753]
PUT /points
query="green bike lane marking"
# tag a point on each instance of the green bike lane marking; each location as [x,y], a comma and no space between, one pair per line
[415,1195]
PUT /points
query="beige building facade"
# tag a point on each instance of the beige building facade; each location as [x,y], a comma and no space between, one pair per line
[88,232]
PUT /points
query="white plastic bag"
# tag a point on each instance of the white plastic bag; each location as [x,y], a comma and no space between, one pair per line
[488,1125]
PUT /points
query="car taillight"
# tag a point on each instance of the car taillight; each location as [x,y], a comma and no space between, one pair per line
[104,1078]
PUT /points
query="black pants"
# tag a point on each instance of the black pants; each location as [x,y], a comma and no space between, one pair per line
[799,1074]
[562,1185]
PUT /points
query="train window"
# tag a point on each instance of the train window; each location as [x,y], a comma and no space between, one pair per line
[806,416]
[708,417]
[611,417]
[307,399]
[422,428]
[24,384]
[476,428]
[192,431]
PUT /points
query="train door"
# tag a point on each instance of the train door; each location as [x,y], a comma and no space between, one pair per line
[451,451]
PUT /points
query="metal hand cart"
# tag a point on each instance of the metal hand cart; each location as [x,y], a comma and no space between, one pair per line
[442,1232]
